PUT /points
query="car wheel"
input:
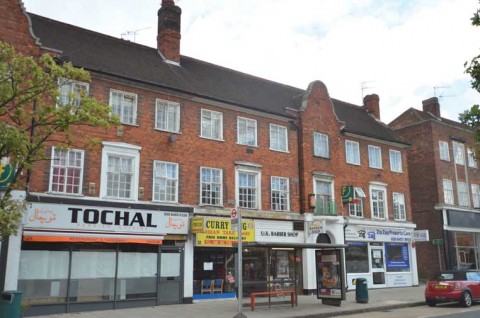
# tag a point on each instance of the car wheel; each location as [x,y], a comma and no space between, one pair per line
[466,299]
[431,303]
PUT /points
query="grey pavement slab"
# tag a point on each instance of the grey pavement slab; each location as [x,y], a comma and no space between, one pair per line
[308,307]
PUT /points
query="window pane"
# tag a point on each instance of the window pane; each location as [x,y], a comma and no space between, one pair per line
[356,257]
[93,276]
[137,275]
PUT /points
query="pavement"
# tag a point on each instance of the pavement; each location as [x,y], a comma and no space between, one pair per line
[308,307]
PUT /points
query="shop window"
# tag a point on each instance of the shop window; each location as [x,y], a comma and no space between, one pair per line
[397,257]
[356,257]
[43,276]
[466,250]
[137,273]
[93,276]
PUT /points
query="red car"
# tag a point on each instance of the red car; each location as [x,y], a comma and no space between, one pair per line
[461,286]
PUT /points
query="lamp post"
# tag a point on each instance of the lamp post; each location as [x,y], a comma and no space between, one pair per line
[240,313]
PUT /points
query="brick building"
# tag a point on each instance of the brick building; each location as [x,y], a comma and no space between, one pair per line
[444,187]
[143,218]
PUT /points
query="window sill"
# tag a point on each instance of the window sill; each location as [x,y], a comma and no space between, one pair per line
[279,150]
[246,145]
[166,202]
[168,131]
[81,195]
[214,139]
[353,164]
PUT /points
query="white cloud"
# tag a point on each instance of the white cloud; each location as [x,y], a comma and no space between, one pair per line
[402,48]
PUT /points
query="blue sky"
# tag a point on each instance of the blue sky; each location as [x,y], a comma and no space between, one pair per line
[404,51]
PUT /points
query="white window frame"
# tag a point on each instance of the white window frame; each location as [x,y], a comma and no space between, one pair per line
[329,197]
[211,183]
[475,195]
[209,121]
[356,209]
[321,144]
[155,193]
[285,192]
[352,152]
[399,210]
[67,167]
[448,197]
[395,160]
[444,150]
[171,115]
[459,153]
[276,131]
[375,157]
[120,149]
[256,173]
[377,213]
[472,161]
[463,197]
[246,124]
[121,115]
[69,92]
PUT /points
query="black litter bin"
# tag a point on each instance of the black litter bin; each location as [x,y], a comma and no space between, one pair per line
[361,291]
[10,304]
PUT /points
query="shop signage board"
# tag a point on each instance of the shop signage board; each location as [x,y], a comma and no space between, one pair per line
[437,242]
[277,231]
[197,225]
[377,234]
[420,236]
[315,227]
[86,218]
[218,232]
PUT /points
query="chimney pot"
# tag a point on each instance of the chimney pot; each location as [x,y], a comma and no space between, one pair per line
[168,36]
[432,106]
[372,104]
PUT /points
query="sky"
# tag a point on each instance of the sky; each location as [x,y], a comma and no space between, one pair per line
[406,51]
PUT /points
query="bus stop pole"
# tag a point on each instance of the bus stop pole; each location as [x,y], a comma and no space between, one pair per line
[240,267]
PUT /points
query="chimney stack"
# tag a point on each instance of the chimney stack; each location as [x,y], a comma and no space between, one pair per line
[168,36]
[432,106]
[372,104]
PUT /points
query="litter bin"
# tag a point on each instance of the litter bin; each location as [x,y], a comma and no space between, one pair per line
[361,290]
[10,304]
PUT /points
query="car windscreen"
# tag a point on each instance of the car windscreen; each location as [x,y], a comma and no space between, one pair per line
[449,276]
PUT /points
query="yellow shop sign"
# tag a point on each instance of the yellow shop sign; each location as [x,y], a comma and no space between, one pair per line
[218,232]
[197,225]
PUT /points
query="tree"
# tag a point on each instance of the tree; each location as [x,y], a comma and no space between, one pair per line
[471,117]
[33,117]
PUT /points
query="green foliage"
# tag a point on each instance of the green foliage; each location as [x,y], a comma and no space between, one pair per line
[30,118]
[11,212]
[471,117]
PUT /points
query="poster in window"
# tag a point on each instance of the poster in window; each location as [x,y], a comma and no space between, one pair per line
[397,257]
[329,274]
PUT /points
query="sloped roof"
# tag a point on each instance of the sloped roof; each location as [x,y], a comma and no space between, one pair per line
[109,55]
[413,116]
[358,121]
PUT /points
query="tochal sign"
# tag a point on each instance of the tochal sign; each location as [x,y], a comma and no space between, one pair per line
[218,232]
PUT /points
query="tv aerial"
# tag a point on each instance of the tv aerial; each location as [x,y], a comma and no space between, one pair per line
[133,32]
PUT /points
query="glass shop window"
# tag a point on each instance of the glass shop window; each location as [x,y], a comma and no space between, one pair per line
[356,257]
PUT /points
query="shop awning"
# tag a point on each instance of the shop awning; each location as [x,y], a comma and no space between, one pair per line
[76,237]
[292,245]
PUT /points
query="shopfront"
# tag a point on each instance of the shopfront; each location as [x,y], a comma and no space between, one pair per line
[384,256]
[462,239]
[267,262]
[95,256]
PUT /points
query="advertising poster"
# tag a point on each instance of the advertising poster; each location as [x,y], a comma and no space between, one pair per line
[397,257]
[218,232]
[329,275]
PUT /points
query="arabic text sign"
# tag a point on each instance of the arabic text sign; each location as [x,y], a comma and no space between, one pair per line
[105,219]
[218,232]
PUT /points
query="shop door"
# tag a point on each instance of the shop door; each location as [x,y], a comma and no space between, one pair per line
[377,260]
[170,281]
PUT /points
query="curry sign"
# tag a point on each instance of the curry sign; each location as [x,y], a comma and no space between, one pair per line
[221,225]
